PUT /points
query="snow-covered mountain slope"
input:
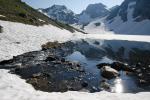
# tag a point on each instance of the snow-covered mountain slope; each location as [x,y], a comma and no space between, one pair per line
[63,14]
[18,11]
[60,13]
[100,26]
[18,38]
[95,27]
[91,12]
[132,17]
[14,88]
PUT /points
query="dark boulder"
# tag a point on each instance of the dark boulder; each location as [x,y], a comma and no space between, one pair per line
[121,66]
[117,66]
[50,58]
[108,72]
[104,85]
[99,66]
[1,29]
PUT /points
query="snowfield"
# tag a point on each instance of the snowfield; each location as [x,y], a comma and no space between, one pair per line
[2,16]
[116,25]
[14,88]
[130,26]
[19,38]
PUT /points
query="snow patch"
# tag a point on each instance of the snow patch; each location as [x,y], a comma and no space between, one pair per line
[41,20]
[19,38]
[130,26]
[93,29]
[2,16]
[14,88]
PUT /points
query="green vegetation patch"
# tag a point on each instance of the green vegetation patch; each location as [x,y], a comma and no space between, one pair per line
[18,11]
[49,45]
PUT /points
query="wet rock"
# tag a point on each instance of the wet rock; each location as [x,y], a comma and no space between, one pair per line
[108,72]
[50,58]
[117,66]
[95,89]
[96,43]
[63,60]
[84,84]
[104,85]
[36,75]
[6,62]
[143,74]
[121,66]
[1,29]
[99,66]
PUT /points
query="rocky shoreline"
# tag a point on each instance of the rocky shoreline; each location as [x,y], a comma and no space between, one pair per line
[48,70]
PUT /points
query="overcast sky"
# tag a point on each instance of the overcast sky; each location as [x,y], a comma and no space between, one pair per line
[76,5]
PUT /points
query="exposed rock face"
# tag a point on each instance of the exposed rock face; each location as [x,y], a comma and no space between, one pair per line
[113,12]
[130,13]
[141,10]
[92,11]
[61,13]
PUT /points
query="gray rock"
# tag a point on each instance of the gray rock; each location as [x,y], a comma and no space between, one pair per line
[108,72]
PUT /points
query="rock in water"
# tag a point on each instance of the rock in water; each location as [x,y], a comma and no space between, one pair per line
[108,72]
[99,66]
[121,66]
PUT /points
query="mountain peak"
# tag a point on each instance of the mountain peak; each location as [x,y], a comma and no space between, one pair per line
[58,6]
[61,13]
[96,5]
[93,11]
